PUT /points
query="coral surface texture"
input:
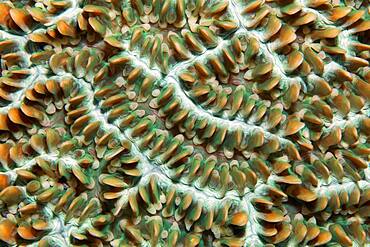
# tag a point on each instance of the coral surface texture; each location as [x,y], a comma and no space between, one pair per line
[184,123]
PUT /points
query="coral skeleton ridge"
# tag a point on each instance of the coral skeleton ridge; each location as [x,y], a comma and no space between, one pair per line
[184,123]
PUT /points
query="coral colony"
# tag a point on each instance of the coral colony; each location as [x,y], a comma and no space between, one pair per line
[184,123]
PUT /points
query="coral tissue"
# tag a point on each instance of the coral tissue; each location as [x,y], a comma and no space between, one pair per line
[184,123]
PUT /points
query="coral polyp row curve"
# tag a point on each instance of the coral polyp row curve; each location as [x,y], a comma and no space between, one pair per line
[184,123]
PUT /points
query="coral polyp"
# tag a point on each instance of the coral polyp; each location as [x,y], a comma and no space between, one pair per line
[184,123]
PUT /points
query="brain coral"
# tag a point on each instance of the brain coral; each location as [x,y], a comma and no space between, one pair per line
[184,123]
